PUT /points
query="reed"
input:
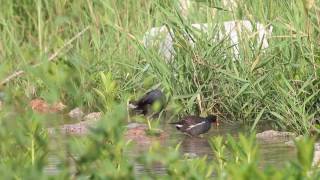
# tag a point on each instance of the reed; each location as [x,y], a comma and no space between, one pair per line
[91,54]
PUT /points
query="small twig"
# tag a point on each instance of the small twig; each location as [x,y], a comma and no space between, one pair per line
[51,58]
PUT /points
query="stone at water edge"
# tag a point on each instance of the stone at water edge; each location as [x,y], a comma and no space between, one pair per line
[58,107]
[316,155]
[94,116]
[316,158]
[317,146]
[76,113]
[154,132]
[80,128]
[137,132]
[291,142]
[135,125]
[274,134]
[41,106]
[190,155]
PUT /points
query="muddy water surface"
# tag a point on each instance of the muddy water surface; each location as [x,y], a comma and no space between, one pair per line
[273,152]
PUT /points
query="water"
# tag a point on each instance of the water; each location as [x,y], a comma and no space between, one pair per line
[272,152]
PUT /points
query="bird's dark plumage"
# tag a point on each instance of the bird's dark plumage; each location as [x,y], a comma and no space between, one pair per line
[195,125]
[144,104]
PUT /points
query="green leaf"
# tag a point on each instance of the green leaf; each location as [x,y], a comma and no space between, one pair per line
[257,119]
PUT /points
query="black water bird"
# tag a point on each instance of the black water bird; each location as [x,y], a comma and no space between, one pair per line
[195,125]
[153,101]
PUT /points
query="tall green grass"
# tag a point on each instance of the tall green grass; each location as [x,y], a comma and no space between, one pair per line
[98,62]
[279,85]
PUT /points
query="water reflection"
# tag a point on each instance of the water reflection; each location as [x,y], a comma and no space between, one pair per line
[274,152]
[195,145]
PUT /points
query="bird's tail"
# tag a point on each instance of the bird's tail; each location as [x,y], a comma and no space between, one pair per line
[178,125]
[174,122]
[132,105]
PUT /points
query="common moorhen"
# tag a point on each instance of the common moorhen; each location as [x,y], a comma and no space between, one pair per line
[195,125]
[145,104]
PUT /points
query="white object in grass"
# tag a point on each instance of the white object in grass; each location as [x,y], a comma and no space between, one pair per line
[163,37]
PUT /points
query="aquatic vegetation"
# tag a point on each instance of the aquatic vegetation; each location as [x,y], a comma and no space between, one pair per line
[90,54]
[103,153]
[96,57]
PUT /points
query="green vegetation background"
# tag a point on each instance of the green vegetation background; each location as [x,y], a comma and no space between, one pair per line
[98,62]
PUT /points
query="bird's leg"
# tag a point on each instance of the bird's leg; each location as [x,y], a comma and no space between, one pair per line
[188,134]
[155,115]
[145,111]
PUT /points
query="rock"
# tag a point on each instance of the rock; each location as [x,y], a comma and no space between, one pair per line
[139,134]
[269,134]
[291,143]
[76,113]
[154,132]
[135,125]
[80,128]
[58,107]
[94,116]
[77,128]
[316,158]
[190,155]
[41,106]
[316,155]
[317,146]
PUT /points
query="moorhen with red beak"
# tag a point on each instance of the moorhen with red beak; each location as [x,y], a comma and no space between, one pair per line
[195,125]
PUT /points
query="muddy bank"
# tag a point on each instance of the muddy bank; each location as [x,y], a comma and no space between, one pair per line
[136,132]
[139,134]
[78,128]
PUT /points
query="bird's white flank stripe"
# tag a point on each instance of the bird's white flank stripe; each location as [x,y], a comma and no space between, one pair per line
[132,106]
[179,125]
[190,127]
